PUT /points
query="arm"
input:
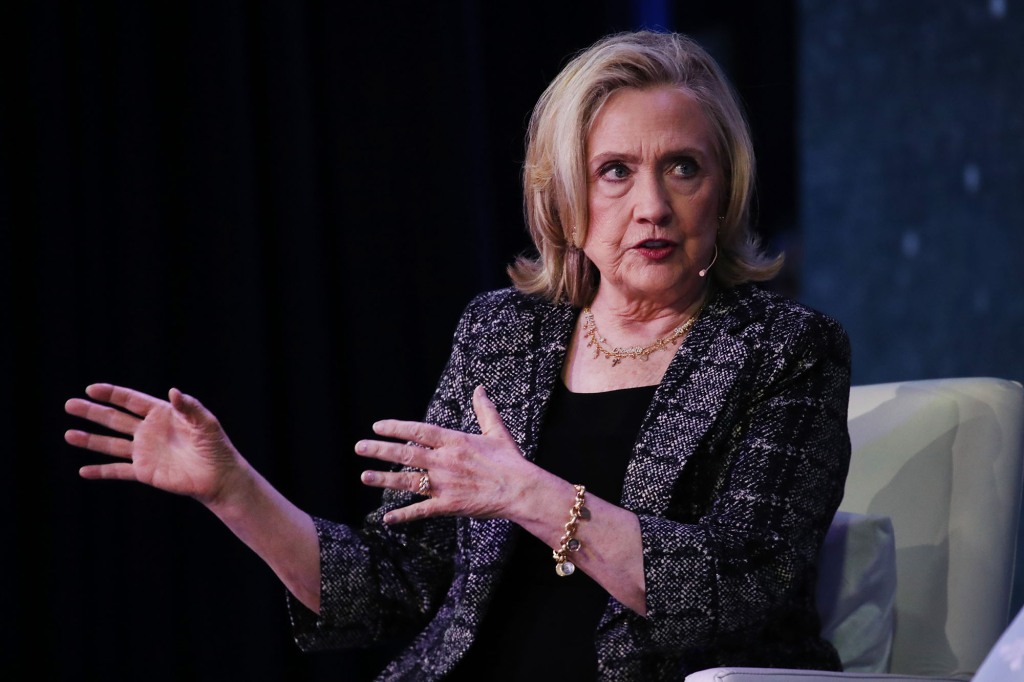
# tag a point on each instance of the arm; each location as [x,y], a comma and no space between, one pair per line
[177,445]
[373,578]
[611,547]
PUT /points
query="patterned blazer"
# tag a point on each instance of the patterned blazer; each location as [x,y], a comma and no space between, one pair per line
[737,471]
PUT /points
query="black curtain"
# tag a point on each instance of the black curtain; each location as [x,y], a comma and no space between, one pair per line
[280,208]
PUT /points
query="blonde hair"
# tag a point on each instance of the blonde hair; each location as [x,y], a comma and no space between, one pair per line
[555,176]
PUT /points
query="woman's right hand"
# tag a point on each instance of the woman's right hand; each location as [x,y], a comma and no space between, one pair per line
[175,445]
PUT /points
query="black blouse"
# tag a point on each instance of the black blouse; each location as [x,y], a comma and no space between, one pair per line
[540,623]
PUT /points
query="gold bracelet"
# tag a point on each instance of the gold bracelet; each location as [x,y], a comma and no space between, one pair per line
[569,543]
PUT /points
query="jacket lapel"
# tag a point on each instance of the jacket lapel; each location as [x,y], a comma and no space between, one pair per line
[554,331]
[692,395]
[542,364]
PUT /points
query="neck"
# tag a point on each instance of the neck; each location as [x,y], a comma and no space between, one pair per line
[630,320]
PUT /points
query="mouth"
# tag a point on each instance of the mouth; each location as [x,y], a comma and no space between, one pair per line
[654,244]
[655,249]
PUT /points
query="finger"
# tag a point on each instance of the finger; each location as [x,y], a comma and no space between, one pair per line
[428,435]
[487,414]
[394,480]
[415,512]
[103,415]
[108,445]
[192,410]
[115,472]
[134,401]
[397,453]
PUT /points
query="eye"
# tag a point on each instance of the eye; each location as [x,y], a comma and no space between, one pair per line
[614,171]
[685,168]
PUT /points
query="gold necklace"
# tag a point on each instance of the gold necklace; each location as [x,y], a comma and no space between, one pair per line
[616,355]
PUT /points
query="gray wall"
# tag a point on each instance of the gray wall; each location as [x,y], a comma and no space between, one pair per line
[911,153]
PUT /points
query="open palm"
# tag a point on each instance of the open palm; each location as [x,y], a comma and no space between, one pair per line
[175,445]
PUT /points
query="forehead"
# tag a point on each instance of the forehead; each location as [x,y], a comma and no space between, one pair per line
[663,116]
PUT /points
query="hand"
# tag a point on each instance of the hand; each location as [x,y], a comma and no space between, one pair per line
[482,476]
[177,446]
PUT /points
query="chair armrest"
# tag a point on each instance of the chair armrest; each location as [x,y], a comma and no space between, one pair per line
[788,675]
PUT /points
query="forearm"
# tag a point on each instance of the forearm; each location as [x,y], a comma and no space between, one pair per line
[611,550]
[279,532]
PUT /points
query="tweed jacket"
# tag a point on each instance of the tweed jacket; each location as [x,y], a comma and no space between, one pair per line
[736,473]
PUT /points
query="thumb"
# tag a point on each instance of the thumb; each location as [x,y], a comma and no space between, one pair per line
[487,414]
[189,408]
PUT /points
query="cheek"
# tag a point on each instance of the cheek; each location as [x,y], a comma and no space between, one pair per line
[607,215]
[698,219]
[604,242]
[605,235]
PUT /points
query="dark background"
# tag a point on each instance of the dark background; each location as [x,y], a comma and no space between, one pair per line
[281,208]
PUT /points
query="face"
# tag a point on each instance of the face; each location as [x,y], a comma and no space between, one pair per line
[654,191]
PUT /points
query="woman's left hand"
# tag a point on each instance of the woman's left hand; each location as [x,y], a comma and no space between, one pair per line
[482,476]
[486,476]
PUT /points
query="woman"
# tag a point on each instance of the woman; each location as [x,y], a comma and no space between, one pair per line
[671,436]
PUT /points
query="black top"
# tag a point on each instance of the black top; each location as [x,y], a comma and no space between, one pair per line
[540,623]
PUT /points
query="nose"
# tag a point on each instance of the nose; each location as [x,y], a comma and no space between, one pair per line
[652,200]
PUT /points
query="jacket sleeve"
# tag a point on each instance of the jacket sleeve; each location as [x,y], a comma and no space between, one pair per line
[379,580]
[743,563]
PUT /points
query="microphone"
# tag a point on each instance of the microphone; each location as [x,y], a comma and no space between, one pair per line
[704,272]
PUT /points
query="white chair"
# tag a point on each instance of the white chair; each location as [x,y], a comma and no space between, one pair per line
[942,461]
[1006,660]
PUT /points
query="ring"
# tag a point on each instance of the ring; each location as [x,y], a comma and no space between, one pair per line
[424,488]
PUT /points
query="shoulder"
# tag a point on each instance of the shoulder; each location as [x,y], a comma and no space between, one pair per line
[775,341]
[508,308]
[750,310]
[778,329]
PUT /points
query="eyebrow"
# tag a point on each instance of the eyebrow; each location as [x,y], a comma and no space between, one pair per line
[611,155]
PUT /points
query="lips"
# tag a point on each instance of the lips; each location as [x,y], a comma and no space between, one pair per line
[654,249]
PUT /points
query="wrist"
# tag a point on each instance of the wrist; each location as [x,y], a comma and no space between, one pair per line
[569,544]
[545,509]
[237,491]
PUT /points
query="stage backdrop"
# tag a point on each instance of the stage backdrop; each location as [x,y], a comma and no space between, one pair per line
[911,204]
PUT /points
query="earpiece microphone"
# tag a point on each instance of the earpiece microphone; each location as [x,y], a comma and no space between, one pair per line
[704,272]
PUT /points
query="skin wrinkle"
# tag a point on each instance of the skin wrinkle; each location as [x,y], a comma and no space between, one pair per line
[653,173]
[637,147]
